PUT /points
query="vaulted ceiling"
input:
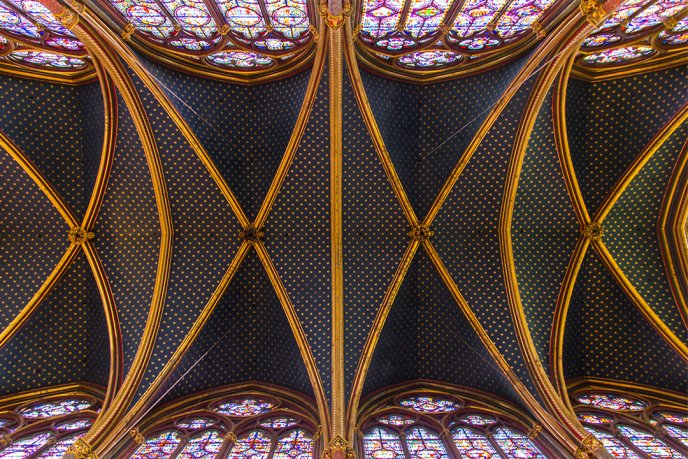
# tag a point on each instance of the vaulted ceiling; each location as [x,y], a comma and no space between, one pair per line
[510,225]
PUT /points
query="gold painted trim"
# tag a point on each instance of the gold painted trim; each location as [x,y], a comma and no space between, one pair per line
[374,335]
[299,335]
[666,60]
[335,72]
[111,63]
[562,435]
[672,237]
[61,390]
[664,396]
[530,354]
[634,296]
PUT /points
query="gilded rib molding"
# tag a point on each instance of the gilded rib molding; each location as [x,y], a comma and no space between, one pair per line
[115,70]
[299,335]
[671,230]
[549,422]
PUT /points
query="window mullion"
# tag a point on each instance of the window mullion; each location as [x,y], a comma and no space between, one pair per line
[273,447]
[180,447]
[495,445]
[449,441]
[404,446]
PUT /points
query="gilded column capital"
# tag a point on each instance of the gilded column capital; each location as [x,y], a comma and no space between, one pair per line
[339,448]
[593,11]
[335,21]
[251,234]
[224,29]
[537,28]
[5,440]
[79,235]
[232,437]
[420,233]
[136,435]
[80,450]
[67,17]
[535,431]
[593,231]
[128,31]
[588,448]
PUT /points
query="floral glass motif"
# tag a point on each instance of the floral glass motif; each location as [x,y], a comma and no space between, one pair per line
[379,443]
[195,423]
[473,444]
[477,419]
[159,447]
[58,408]
[244,17]
[617,56]
[429,59]
[649,444]
[245,407]
[425,16]
[254,445]
[614,446]
[520,16]
[146,16]
[611,402]
[288,17]
[25,447]
[58,450]
[679,433]
[202,446]
[396,420]
[54,62]
[515,444]
[74,425]
[475,16]
[296,444]
[380,17]
[594,419]
[430,404]
[279,422]
[425,444]
[241,60]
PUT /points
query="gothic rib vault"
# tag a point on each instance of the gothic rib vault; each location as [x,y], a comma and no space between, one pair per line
[337,228]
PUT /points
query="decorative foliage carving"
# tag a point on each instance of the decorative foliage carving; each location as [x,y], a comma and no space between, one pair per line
[79,235]
[594,231]
[593,11]
[251,234]
[421,233]
[80,450]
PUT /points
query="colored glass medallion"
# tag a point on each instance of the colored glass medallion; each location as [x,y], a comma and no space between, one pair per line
[475,16]
[649,444]
[74,425]
[378,443]
[17,24]
[254,445]
[196,423]
[296,444]
[601,39]
[654,14]
[613,445]
[426,16]
[159,447]
[473,444]
[240,60]
[515,444]
[280,422]
[58,408]
[477,419]
[380,17]
[611,402]
[42,15]
[425,444]
[54,62]
[430,404]
[396,420]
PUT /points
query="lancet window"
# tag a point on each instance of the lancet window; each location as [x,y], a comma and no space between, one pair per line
[633,427]
[443,426]
[240,426]
[46,428]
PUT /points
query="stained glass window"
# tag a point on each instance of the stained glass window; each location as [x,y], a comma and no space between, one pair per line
[594,419]
[245,407]
[611,402]
[57,451]
[679,433]
[379,443]
[473,444]
[58,408]
[296,444]
[614,446]
[396,420]
[649,444]
[241,59]
[380,17]
[202,446]
[195,423]
[26,446]
[279,422]
[675,418]
[430,404]
[520,16]
[424,444]
[159,447]
[47,60]
[425,16]
[654,14]
[477,419]
[475,16]
[619,55]
[255,445]
[515,444]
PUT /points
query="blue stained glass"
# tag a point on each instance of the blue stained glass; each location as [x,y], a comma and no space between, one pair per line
[515,444]
[613,445]
[649,444]
[58,408]
[379,443]
[279,422]
[57,451]
[254,445]
[192,16]
[679,433]
[15,23]
[42,15]
[425,444]
[473,444]
[146,16]
[26,446]
[243,16]
[203,446]
[159,447]
[430,404]
[296,444]
[74,425]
